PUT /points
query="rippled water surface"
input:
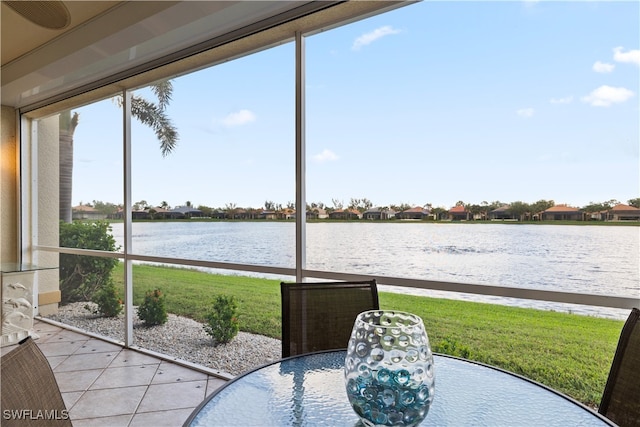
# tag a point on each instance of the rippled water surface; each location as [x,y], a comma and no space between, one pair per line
[586,259]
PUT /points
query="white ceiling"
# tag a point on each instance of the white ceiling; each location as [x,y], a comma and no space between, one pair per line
[105,38]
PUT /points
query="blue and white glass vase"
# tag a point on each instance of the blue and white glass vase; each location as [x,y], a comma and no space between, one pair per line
[389,369]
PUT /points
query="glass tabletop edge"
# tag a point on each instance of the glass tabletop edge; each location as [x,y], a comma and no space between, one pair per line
[536,383]
[229,383]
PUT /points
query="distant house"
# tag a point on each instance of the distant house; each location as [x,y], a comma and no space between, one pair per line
[140,214]
[218,214]
[86,212]
[287,213]
[622,212]
[268,214]
[503,213]
[119,214]
[317,213]
[562,213]
[378,214]
[184,212]
[345,214]
[413,213]
[240,214]
[158,213]
[149,213]
[459,213]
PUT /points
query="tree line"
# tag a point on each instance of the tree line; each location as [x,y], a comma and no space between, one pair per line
[364,204]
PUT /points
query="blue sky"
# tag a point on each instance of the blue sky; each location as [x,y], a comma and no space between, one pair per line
[434,102]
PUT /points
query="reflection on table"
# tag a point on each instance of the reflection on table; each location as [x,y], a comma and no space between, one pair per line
[309,390]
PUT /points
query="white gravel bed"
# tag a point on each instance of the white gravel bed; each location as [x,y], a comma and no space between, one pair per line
[180,337]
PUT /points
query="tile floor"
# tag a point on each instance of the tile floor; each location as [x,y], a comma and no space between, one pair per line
[104,384]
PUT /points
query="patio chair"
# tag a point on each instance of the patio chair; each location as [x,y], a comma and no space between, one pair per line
[30,394]
[621,398]
[320,316]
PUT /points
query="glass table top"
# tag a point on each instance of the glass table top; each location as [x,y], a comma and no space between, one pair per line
[309,390]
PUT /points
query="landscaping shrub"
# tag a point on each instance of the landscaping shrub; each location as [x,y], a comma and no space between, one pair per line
[108,300]
[80,275]
[222,320]
[152,310]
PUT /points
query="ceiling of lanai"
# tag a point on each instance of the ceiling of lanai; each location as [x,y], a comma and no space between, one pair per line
[57,47]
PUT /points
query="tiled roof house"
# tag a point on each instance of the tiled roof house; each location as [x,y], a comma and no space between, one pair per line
[413,213]
[317,213]
[345,214]
[378,213]
[622,212]
[287,213]
[562,213]
[458,213]
[268,214]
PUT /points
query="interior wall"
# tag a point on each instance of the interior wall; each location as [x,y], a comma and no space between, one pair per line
[8,186]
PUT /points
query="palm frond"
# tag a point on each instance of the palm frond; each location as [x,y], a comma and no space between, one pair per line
[163,90]
[69,122]
[75,119]
[153,116]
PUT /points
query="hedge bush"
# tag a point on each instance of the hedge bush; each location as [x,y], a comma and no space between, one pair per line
[152,311]
[222,320]
[80,275]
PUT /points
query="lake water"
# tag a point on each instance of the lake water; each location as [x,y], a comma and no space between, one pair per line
[586,259]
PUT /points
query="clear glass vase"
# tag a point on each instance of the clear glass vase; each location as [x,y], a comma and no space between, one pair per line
[389,369]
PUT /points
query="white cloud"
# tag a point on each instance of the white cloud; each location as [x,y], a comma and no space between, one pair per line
[632,56]
[372,36]
[239,118]
[603,67]
[565,100]
[325,156]
[605,96]
[525,112]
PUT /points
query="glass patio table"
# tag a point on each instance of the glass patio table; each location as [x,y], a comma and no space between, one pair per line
[309,390]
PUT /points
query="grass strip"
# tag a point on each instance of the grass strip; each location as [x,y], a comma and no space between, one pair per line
[568,352]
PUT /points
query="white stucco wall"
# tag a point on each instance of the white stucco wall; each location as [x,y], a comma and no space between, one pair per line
[47,211]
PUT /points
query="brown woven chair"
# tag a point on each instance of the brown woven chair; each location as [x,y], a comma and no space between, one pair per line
[30,395]
[320,316]
[621,398]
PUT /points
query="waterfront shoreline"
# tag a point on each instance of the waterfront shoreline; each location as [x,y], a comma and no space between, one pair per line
[583,260]
[390,221]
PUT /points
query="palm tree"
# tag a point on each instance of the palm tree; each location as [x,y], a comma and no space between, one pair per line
[68,124]
[147,112]
[230,208]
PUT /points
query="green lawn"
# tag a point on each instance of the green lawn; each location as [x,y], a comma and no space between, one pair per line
[568,352]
